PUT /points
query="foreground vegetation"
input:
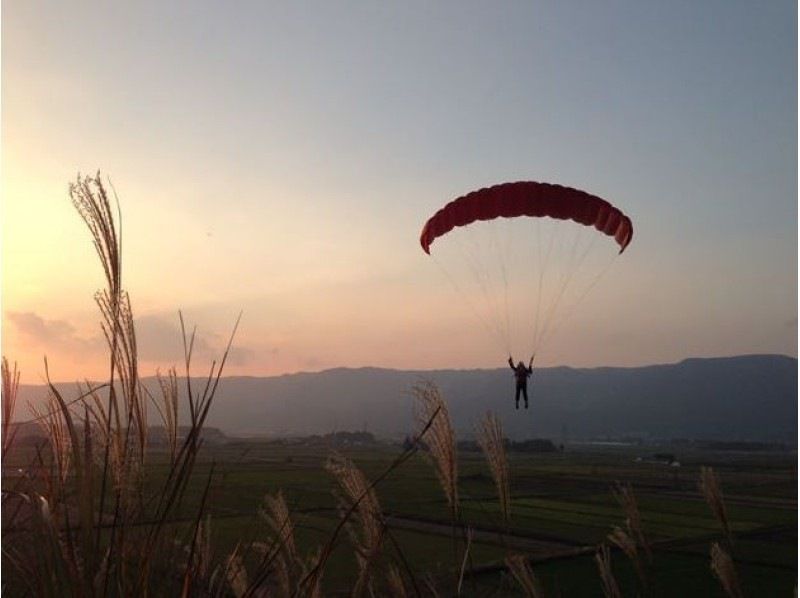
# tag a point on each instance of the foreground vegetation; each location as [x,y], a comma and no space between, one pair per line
[102,510]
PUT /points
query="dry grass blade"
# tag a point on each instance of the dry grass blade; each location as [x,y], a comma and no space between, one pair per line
[174,486]
[9,398]
[603,560]
[203,547]
[470,534]
[520,568]
[430,586]
[440,438]
[354,485]
[168,409]
[490,438]
[368,537]
[724,569]
[623,540]
[275,513]
[625,543]
[310,581]
[280,563]
[631,540]
[55,430]
[712,492]
[236,574]
[89,197]
[624,495]
[282,578]
[394,583]
[120,333]
[78,553]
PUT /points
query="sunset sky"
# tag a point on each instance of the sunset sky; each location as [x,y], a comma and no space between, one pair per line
[281,158]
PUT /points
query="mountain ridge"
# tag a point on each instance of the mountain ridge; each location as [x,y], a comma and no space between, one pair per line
[743,397]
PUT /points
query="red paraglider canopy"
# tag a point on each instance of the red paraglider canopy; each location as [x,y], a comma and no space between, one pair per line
[528,198]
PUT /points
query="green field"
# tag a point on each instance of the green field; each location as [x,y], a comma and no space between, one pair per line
[562,507]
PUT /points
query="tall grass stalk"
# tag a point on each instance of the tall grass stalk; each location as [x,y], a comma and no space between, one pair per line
[712,491]
[9,404]
[367,528]
[624,495]
[168,409]
[468,536]
[440,438]
[603,560]
[394,583]
[236,574]
[490,439]
[521,569]
[632,540]
[310,582]
[723,568]
[280,562]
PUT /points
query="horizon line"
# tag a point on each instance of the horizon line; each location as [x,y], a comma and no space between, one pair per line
[451,369]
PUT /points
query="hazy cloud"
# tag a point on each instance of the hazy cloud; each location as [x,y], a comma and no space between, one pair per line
[240,356]
[55,334]
[159,339]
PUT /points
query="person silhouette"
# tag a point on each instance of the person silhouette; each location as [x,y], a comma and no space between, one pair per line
[521,373]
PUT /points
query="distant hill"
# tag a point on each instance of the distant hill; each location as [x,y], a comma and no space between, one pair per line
[751,397]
